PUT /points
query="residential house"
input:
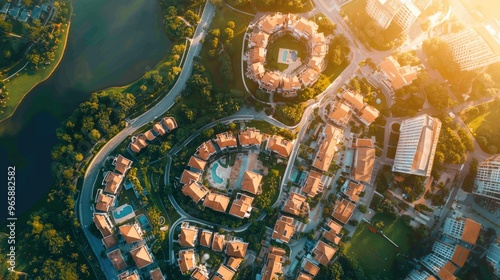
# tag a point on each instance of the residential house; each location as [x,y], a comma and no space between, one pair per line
[250,137]
[364,160]
[368,115]
[296,205]
[189,176]
[188,235]
[218,242]
[340,114]
[327,141]
[205,150]
[156,274]
[279,145]
[186,260]
[196,190]
[196,164]
[309,267]
[112,181]
[242,206]
[206,238]
[122,164]
[283,229]
[333,234]
[116,259]
[223,273]
[251,182]
[226,140]
[273,265]
[313,184]
[141,256]
[131,233]
[217,202]
[236,248]
[323,253]
[352,190]
[342,210]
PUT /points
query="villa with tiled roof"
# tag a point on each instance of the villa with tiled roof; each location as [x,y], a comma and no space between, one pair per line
[117,260]
[242,206]
[251,182]
[188,235]
[342,210]
[226,140]
[352,190]
[323,253]
[283,229]
[131,233]
[313,184]
[333,234]
[250,137]
[327,141]
[279,145]
[122,164]
[206,238]
[364,160]
[236,248]
[189,176]
[112,181]
[218,242]
[273,264]
[296,204]
[205,150]
[217,202]
[141,256]
[186,260]
[196,190]
[196,163]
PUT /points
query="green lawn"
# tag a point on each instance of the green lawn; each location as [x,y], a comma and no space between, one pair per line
[376,254]
[222,16]
[484,126]
[26,80]
[285,42]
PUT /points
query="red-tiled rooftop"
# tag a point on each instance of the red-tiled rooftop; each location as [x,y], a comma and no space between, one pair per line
[141,257]
[117,260]
[197,163]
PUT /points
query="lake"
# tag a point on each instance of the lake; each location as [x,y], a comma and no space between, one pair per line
[111,43]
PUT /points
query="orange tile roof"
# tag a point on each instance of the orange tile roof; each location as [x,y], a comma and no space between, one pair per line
[303,276]
[364,161]
[218,242]
[328,147]
[251,136]
[226,140]
[104,202]
[460,255]
[127,276]
[271,80]
[223,273]
[369,114]
[296,205]
[446,272]
[273,265]
[280,145]
[471,231]
[234,263]
[113,181]
[309,76]
[354,99]
[333,235]
[156,274]
[306,26]
[217,202]
[138,143]
[188,235]
[102,225]
[122,164]
[251,182]
[242,206]
[149,135]
[353,191]
[205,150]
[206,238]
[117,260]
[256,70]
[130,233]
[258,39]
[170,123]
[341,113]
[323,253]
[236,248]
[158,128]
[313,184]
[284,229]
[399,76]
[195,190]
[197,163]
[109,241]
[257,54]
[199,275]
[189,176]
[186,260]
[310,268]
[141,257]
[291,83]
[343,210]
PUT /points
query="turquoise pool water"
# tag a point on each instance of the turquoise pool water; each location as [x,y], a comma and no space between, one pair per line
[243,168]
[216,178]
[285,54]
[143,221]
[124,212]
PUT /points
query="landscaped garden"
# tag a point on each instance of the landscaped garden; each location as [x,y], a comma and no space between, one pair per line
[376,254]
[482,121]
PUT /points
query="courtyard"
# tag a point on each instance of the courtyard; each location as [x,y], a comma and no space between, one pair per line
[286,54]
[227,172]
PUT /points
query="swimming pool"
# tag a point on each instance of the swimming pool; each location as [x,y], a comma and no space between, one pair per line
[294,55]
[143,220]
[123,212]
[284,55]
[216,178]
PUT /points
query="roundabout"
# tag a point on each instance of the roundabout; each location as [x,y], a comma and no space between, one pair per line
[285,53]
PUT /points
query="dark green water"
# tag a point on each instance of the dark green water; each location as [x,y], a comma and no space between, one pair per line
[111,43]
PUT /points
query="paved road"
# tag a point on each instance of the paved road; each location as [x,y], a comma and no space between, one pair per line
[84,208]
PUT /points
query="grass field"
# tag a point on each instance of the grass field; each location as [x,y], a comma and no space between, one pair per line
[485,128]
[376,254]
[21,84]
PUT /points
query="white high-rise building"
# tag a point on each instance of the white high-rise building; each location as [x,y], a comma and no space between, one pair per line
[403,12]
[476,47]
[417,145]
[488,178]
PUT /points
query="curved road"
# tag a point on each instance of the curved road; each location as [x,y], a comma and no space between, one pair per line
[85,211]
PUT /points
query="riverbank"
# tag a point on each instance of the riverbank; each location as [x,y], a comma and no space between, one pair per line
[23,83]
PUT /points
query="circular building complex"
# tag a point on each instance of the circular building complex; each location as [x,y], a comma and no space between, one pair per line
[285,53]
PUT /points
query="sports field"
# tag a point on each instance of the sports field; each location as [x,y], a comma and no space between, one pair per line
[375,253]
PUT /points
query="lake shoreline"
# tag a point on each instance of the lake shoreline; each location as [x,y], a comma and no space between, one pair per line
[65,43]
